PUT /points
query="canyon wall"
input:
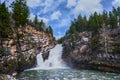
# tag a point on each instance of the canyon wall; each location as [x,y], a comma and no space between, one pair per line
[20,54]
[106,57]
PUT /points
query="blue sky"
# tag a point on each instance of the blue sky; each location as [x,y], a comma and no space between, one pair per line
[60,13]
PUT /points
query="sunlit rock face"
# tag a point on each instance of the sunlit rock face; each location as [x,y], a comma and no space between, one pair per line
[106,57]
[20,55]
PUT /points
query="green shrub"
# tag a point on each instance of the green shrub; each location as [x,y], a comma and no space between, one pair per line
[94,43]
[20,36]
[31,43]
[1,49]
[116,50]
[61,40]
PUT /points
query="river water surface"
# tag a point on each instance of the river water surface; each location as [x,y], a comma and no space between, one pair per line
[67,74]
[55,69]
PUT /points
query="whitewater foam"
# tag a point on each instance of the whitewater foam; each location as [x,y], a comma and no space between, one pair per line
[54,60]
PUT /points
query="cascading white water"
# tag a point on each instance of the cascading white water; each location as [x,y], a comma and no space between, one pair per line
[54,60]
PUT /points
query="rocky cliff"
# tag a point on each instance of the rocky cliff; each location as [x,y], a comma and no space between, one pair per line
[78,52]
[6,77]
[20,54]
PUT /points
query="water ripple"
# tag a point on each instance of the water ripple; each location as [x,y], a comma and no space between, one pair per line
[67,74]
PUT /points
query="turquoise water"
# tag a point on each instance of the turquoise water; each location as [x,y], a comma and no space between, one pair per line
[67,74]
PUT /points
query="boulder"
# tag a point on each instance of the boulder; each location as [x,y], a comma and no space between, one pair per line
[83,48]
[45,55]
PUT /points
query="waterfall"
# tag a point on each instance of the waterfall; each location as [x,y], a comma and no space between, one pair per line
[54,60]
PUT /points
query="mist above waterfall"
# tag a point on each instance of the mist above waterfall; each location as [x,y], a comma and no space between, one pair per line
[54,60]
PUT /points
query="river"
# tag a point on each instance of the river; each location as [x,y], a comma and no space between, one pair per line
[55,69]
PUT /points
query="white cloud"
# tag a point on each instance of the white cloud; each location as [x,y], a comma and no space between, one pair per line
[30,3]
[71,3]
[33,3]
[60,34]
[64,22]
[56,15]
[116,3]
[87,7]
[31,16]
[47,5]
[50,5]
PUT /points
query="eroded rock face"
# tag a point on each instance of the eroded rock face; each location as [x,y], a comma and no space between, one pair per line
[6,77]
[17,57]
[105,58]
[45,55]
[83,48]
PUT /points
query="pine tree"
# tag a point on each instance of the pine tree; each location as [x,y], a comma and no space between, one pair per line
[112,20]
[20,12]
[41,25]
[85,23]
[4,21]
[90,22]
[94,24]
[49,30]
[35,20]
[72,28]
[105,18]
[79,23]
[100,21]
[115,16]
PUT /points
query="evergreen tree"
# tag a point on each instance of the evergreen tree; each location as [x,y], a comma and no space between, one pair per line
[20,12]
[35,20]
[60,41]
[85,23]
[4,21]
[72,28]
[100,21]
[94,24]
[112,20]
[49,31]
[90,22]
[79,23]
[41,25]
[105,18]
[115,16]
